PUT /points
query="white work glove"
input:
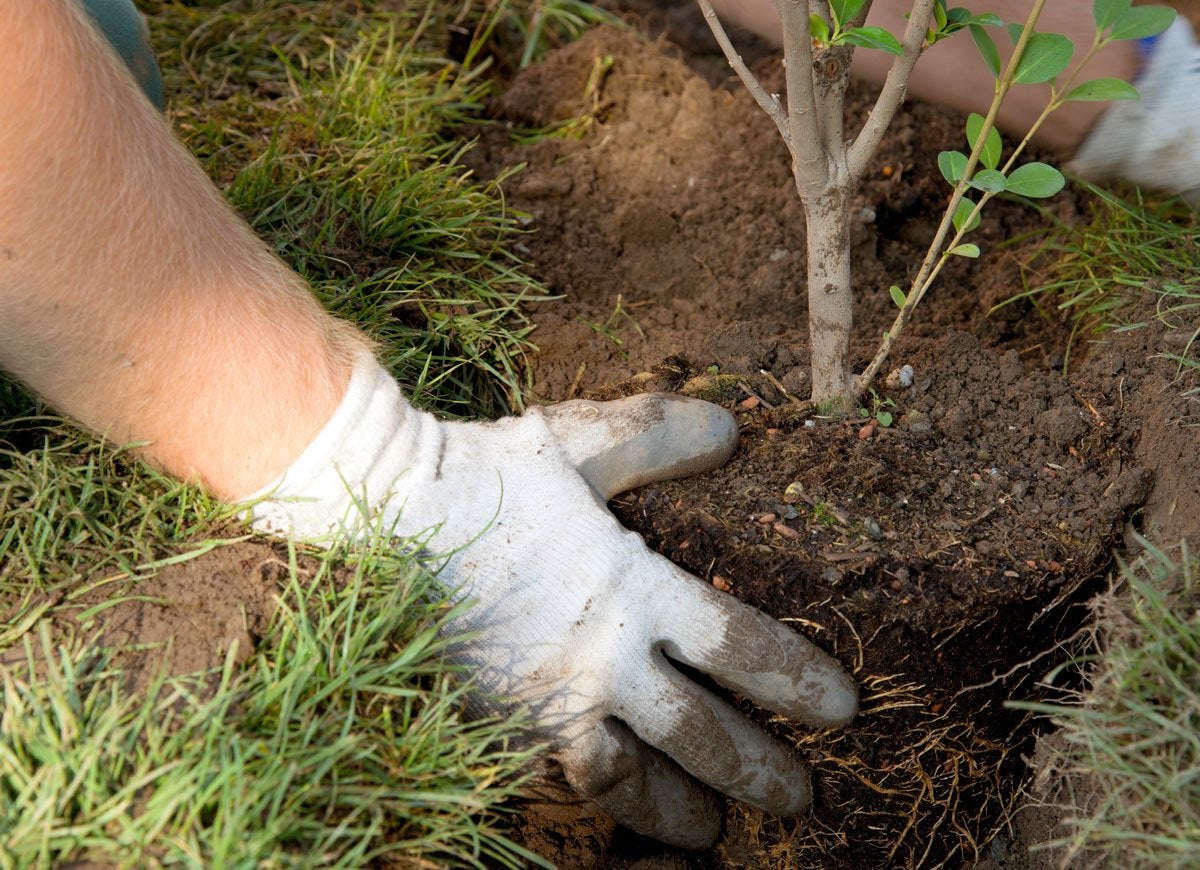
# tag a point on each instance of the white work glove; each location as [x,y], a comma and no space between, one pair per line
[1153,141]
[573,615]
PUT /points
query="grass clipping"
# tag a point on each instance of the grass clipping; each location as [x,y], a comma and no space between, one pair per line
[1126,763]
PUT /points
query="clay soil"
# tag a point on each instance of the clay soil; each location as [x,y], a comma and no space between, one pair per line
[945,559]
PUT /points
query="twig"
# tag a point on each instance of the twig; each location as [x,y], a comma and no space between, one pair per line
[935,257]
[775,383]
[749,392]
[769,103]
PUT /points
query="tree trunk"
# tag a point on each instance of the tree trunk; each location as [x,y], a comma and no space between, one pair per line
[830,314]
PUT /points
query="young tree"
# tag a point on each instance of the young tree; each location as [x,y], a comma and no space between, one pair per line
[820,37]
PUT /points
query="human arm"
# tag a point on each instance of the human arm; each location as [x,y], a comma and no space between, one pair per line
[137,302]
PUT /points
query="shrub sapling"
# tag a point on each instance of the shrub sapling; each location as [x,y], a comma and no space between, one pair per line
[820,37]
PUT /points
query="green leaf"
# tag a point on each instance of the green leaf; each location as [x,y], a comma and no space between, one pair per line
[989,180]
[1142,21]
[1106,12]
[987,19]
[990,155]
[1046,55]
[871,37]
[884,418]
[1014,31]
[818,29]
[952,164]
[987,48]
[844,10]
[1036,180]
[939,16]
[1103,89]
[898,296]
[965,207]
[971,251]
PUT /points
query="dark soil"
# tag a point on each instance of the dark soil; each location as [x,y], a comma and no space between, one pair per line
[945,559]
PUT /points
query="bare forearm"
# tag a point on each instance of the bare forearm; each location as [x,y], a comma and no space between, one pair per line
[131,297]
[952,73]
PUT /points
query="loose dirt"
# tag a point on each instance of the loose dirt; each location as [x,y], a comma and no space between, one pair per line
[946,558]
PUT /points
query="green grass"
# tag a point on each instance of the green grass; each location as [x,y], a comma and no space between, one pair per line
[341,740]
[340,743]
[337,130]
[1131,747]
[545,23]
[1128,264]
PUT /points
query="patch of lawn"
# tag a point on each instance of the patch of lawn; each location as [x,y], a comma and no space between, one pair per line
[1129,757]
[1129,264]
[336,130]
[339,743]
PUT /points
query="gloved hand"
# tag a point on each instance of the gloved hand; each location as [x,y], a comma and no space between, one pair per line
[573,615]
[1152,141]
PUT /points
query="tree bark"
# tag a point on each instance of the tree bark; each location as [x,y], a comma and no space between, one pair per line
[829,298]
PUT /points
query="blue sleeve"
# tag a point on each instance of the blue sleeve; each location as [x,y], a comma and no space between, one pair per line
[125,28]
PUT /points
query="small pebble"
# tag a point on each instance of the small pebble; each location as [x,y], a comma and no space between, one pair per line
[786,531]
[917,421]
[872,529]
[896,585]
[866,431]
[767,519]
[749,404]
[721,583]
[900,378]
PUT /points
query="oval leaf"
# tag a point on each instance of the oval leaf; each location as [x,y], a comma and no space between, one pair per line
[965,250]
[898,296]
[1035,180]
[989,180]
[952,164]
[965,207]
[1106,12]
[1103,89]
[990,155]
[987,19]
[871,37]
[939,16]
[818,29]
[987,49]
[1142,21]
[844,10]
[1046,55]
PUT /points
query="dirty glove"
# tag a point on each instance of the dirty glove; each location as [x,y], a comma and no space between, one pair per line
[573,616]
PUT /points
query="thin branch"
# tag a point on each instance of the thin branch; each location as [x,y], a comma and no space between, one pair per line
[935,257]
[767,102]
[810,161]
[894,88]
